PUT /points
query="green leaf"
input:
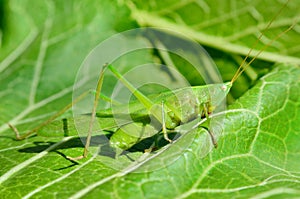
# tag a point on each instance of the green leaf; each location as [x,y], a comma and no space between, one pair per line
[43,44]
[231,27]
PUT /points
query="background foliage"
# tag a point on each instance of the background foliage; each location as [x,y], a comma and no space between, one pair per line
[43,44]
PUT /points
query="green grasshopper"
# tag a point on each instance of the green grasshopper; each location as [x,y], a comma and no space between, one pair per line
[169,109]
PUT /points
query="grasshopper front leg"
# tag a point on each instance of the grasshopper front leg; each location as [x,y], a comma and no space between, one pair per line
[164,128]
[206,113]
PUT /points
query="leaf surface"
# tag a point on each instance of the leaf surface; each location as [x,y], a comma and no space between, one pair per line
[42,46]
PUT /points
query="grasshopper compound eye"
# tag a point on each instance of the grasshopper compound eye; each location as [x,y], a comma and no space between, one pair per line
[223,87]
[226,86]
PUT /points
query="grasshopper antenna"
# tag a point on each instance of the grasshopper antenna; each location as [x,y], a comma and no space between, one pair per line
[243,65]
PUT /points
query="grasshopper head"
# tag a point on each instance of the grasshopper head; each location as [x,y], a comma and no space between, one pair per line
[218,93]
[226,87]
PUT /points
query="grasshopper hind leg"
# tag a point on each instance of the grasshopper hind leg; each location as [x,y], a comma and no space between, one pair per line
[93,116]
